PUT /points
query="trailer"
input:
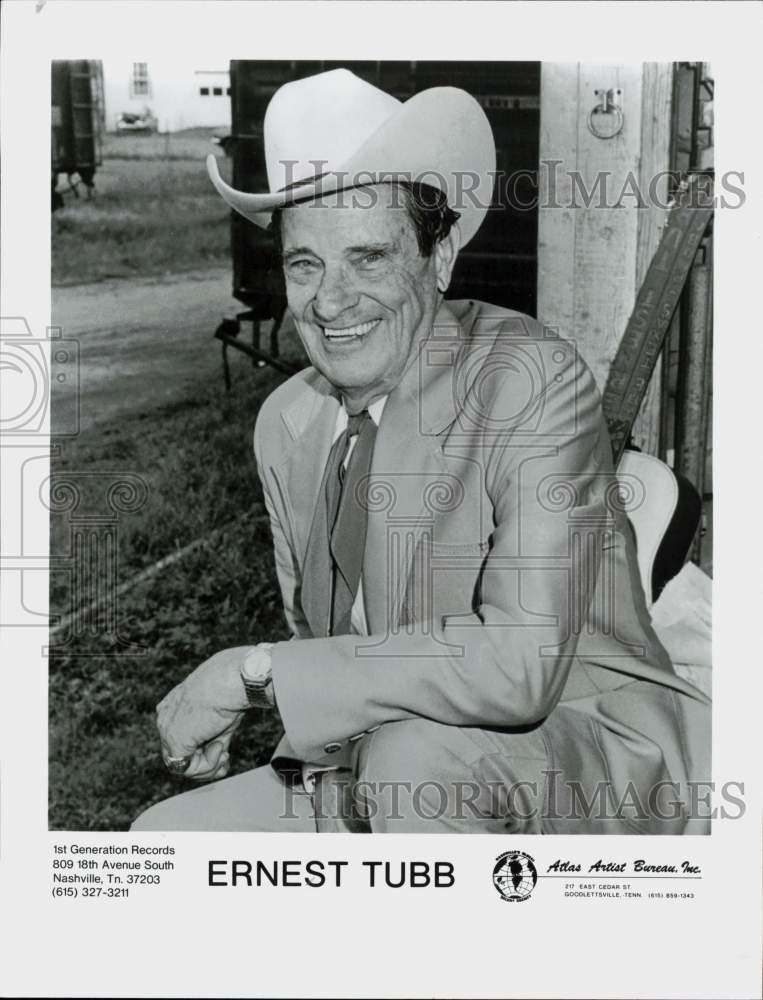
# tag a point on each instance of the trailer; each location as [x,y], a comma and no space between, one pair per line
[77,124]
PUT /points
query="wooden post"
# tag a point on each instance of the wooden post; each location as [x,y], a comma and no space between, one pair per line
[602,207]
[656,113]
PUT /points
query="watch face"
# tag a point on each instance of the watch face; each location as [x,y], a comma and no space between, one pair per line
[255,668]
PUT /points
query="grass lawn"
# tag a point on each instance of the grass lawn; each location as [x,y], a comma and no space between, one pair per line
[154,214]
[196,460]
[153,211]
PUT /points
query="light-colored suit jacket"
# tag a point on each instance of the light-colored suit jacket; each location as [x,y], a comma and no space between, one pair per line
[499,572]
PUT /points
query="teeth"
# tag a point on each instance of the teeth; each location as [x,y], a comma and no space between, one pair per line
[348,332]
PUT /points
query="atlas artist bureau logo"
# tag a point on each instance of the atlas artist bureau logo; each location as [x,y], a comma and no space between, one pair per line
[515,876]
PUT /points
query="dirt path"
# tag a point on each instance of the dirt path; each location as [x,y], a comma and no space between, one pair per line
[144,342]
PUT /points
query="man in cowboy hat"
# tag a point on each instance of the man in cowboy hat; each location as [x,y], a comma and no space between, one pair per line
[472,650]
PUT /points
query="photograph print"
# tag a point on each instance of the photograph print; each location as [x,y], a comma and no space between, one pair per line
[381,488]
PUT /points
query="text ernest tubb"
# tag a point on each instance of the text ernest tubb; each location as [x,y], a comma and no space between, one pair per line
[316,874]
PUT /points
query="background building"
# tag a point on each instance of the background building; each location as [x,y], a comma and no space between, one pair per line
[180,94]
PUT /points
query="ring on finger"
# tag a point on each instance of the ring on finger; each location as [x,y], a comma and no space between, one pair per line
[176,765]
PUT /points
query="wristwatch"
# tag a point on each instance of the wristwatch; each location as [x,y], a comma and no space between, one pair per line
[257,676]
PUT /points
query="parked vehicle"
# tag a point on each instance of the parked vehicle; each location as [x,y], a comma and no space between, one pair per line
[131,121]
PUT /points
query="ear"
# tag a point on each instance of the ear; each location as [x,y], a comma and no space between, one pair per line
[446,252]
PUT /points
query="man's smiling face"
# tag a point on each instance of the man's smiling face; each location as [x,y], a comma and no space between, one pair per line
[360,292]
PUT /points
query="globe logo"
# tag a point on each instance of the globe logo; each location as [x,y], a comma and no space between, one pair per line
[515,876]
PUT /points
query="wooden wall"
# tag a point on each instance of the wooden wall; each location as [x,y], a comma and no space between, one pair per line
[591,260]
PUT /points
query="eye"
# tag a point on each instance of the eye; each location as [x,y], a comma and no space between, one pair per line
[301,266]
[371,258]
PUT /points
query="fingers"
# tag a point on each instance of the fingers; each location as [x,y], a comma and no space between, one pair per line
[185,723]
[195,736]
[174,748]
[209,762]
[173,718]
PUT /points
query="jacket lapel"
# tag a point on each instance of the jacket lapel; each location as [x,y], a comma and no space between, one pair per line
[310,421]
[407,465]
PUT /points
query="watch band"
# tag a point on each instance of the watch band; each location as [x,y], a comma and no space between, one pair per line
[259,689]
[260,694]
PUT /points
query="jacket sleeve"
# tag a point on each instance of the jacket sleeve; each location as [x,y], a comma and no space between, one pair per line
[500,665]
[287,567]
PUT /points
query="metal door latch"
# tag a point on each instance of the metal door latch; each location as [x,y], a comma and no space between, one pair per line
[605,119]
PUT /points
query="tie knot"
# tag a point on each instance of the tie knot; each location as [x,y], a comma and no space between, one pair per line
[356,421]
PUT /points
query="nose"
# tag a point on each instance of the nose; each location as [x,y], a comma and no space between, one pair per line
[334,296]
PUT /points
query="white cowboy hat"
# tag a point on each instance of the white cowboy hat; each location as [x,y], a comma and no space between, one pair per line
[334,131]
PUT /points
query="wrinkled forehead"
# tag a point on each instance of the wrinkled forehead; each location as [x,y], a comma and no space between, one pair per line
[371,214]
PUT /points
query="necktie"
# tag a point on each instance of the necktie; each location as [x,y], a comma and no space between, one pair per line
[348,519]
[334,556]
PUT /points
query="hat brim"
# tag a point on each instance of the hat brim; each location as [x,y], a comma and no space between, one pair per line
[439,137]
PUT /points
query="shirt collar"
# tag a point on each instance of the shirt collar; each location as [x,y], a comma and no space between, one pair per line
[375,411]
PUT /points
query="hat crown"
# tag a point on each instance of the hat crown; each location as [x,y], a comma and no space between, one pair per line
[337,125]
[315,124]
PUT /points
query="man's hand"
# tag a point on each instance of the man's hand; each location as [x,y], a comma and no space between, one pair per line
[198,718]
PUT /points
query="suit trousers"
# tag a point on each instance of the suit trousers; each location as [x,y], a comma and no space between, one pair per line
[412,776]
[578,771]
